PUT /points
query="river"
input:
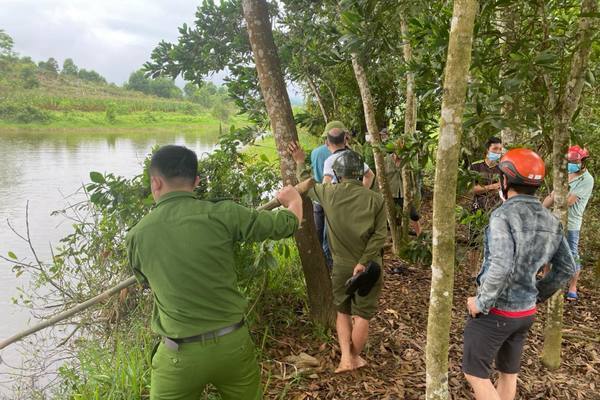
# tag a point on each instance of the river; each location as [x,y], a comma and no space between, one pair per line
[44,167]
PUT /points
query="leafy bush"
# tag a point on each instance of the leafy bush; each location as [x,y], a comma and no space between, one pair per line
[23,114]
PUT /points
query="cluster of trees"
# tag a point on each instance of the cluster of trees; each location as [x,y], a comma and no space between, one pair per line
[161,87]
[443,76]
[26,70]
[207,94]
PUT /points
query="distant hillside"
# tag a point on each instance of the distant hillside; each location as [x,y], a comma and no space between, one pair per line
[41,93]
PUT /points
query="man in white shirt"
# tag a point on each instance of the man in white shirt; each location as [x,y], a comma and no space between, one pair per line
[336,142]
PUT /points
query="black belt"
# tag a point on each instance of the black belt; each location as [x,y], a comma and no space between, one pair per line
[173,344]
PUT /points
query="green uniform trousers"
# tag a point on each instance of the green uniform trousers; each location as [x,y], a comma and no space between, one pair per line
[364,307]
[227,362]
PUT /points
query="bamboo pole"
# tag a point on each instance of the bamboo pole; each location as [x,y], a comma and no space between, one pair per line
[302,188]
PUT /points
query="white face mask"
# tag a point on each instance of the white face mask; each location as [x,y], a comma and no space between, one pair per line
[501,195]
[368,138]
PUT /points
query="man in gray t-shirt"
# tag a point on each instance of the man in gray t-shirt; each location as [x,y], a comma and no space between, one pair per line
[581,185]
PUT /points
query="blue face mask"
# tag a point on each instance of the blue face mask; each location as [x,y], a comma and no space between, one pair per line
[493,156]
[572,168]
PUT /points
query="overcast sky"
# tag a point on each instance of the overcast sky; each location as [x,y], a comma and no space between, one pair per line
[113,37]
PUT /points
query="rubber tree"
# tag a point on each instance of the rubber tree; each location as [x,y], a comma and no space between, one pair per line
[384,187]
[565,108]
[273,89]
[444,198]
[409,186]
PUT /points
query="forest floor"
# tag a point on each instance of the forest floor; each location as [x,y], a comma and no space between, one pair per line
[396,348]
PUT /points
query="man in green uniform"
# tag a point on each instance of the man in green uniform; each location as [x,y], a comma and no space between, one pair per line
[184,250]
[356,225]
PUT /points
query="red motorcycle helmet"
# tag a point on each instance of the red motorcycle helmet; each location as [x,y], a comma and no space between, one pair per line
[577,154]
[523,167]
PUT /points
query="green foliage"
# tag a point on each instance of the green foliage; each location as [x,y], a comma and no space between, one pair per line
[418,251]
[111,113]
[160,87]
[69,68]
[6,44]
[23,113]
[90,76]
[50,67]
[117,370]
[29,77]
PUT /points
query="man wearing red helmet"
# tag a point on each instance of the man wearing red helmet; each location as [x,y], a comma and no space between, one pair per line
[521,237]
[581,185]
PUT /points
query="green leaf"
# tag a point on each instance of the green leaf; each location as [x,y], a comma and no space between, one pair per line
[545,58]
[264,158]
[12,255]
[97,177]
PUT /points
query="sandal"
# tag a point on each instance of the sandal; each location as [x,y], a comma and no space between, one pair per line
[571,296]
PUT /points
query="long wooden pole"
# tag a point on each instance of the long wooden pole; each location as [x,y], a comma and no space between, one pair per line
[302,188]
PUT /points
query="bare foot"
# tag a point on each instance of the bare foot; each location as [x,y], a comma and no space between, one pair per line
[345,366]
[359,362]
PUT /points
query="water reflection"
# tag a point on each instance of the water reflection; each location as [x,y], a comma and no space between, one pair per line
[42,167]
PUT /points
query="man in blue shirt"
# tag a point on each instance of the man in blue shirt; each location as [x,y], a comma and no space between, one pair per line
[317,161]
[581,185]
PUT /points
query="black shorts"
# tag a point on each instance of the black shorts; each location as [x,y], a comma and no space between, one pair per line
[490,337]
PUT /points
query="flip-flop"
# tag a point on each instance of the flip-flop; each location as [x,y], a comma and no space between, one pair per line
[571,296]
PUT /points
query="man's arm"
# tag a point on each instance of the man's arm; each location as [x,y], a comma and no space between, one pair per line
[302,173]
[256,226]
[501,263]
[563,268]
[368,178]
[481,189]
[377,239]
[549,200]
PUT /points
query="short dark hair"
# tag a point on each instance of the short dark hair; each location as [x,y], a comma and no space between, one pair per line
[524,189]
[491,141]
[336,138]
[175,163]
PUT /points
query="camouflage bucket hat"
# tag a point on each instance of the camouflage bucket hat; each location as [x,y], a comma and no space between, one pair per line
[349,164]
[332,125]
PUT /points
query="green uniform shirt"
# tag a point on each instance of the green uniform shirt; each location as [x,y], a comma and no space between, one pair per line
[184,249]
[356,224]
[582,187]
[393,174]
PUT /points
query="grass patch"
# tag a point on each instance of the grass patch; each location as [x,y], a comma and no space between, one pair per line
[266,146]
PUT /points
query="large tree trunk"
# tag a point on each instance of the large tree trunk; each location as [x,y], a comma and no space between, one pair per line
[410,126]
[562,119]
[369,110]
[273,88]
[444,198]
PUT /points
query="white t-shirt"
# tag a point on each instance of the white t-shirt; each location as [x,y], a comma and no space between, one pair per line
[328,166]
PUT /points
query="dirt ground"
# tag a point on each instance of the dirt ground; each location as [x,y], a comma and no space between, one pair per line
[396,349]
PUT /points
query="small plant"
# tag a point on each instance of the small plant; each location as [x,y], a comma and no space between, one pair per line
[111,113]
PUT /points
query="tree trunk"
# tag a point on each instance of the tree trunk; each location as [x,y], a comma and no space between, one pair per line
[565,110]
[410,127]
[318,98]
[273,88]
[506,26]
[369,110]
[444,198]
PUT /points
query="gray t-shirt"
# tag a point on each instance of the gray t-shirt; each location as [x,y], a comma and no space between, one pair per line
[582,187]
[328,167]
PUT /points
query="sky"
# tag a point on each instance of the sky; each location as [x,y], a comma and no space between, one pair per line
[113,37]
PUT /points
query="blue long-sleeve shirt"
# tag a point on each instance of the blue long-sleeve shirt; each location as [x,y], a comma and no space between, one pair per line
[521,237]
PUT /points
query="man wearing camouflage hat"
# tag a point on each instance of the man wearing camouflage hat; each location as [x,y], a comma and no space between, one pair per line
[356,228]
